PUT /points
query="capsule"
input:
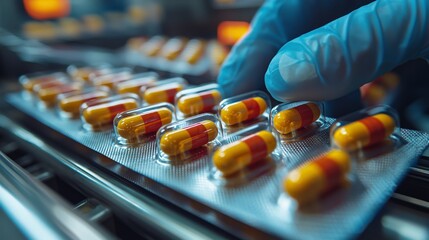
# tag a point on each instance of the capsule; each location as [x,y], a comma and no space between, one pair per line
[364,132]
[188,138]
[134,86]
[194,51]
[49,95]
[236,156]
[111,79]
[29,83]
[47,84]
[318,177]
[85,73]
[289,120]
[243,110]
[103,114]
[72,104]
[199,102]
[173,48]
[163,93]
[153,46]
[133,126]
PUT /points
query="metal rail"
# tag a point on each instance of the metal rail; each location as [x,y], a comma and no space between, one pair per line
[36,211]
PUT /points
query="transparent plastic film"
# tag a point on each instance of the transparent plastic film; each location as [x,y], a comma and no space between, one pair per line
[99,114]
[368,132]
[202,99]
[163,91]
[297,120]
[245,155]
[244,110]
[141,125]
[136,83]
[69,103]
[28,81]
[83,73]
[112,77]
[189,139]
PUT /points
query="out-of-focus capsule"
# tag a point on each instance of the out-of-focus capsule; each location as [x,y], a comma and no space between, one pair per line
[193,51]
[162,93]
[191,137]
[103,114]
[29,81]
[84,73]
[243,110]
[199,102]
[236,156]
[47,84]
[292,119]
[173,48]
[153,46]
[134,85]
[364,132]
[110,79]
[318,177]
[133,126]
[72,103]
[49,95]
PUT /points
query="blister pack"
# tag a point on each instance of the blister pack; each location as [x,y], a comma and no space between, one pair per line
[289,170]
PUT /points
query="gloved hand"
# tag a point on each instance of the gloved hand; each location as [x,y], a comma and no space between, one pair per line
[328,61]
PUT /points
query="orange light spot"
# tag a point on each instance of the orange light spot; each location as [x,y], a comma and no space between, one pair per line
[229,32]
[47,9]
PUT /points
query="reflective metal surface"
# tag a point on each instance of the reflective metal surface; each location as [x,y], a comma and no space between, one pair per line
[36,211]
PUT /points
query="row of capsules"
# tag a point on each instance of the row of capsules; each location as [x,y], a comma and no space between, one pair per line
[240,134]
[178,54]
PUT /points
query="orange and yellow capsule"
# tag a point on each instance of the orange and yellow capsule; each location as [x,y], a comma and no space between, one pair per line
[194,51]
[173,48]
[162,93]
[243,110]
[49,95]
[134,86]
[132,127]
[111,79]
[29,82]
[72,103]
[292,119]
[153,46]
[318,177]
[236,156]
[191,137]
[104,113]
[199,102]
[364,132]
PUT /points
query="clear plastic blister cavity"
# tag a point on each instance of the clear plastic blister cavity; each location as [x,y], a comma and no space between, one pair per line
[112,77]
[140,125]
[245,155]
[163,91]
[99,114]
[136,83]
[367,133]
[29,80]
[189,139]
[83,73]
[202,99]
[244,110]
[297,120]
[69,103]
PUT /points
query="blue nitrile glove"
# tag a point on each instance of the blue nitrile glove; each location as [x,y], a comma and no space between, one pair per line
[326,62]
